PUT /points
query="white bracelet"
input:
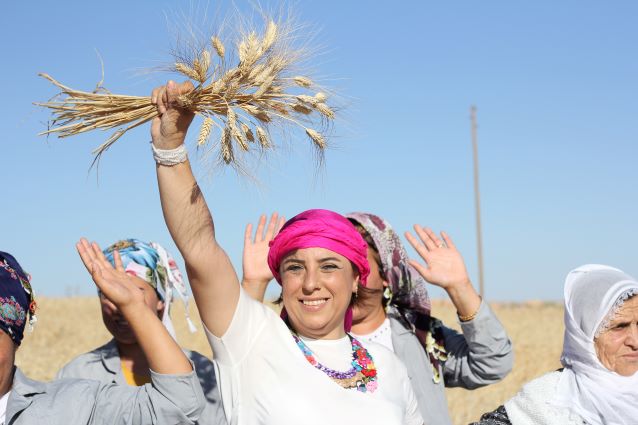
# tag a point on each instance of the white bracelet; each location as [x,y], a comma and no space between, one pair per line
[170,157]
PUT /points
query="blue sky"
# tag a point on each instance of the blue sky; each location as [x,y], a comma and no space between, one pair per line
[554,82]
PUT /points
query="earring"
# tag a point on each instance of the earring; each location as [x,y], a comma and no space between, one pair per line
[387,294]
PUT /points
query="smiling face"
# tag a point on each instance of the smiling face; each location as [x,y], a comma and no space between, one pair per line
[117,324]
[617,347]
[317,285]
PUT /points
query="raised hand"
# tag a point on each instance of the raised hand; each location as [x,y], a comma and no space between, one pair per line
[444,267]
[168,130]
[114,283]
[160,349]
[257,274]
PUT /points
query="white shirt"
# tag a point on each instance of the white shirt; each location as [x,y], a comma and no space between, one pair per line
[3,407]
[381,335]
[265,379]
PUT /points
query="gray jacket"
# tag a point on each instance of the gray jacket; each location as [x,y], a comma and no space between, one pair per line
[103,364]
[481,355]
[169,400]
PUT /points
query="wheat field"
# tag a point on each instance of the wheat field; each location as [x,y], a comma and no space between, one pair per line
[70,326]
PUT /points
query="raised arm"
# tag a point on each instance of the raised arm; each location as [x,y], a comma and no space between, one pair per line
[445,269]
[162,352]
[210,272]
[256,273]
[483,353]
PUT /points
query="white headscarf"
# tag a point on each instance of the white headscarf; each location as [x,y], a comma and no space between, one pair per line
[588,388]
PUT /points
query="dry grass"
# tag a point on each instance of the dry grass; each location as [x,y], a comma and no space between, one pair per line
[260,91]
[69,326]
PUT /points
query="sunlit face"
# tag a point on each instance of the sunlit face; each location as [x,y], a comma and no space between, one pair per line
[117,324]
[371,300]
[7,359]
[317,285]
[617,347]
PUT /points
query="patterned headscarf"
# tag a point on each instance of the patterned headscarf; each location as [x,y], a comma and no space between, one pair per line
[16,298]
[409,289]
[321,229]
[153,264]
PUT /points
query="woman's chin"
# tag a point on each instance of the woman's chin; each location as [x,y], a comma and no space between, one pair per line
[316,326]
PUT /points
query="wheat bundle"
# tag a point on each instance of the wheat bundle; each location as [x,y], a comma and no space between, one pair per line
[242,101]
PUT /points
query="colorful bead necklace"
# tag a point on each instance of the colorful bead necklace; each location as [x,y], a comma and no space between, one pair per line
[362,375]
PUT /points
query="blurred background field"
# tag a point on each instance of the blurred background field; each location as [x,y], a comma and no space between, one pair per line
[70,326]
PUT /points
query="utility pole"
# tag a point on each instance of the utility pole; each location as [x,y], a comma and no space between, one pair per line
[477,199]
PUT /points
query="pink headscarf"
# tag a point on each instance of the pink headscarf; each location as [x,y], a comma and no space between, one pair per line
[321,229]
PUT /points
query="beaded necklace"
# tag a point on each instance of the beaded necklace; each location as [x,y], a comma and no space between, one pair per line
[362,375]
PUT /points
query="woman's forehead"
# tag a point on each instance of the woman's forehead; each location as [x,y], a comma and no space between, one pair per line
[314,254]
[629,309]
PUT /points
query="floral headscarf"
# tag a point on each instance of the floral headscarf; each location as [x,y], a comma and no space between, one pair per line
[16,298]
[153,264]
[409,289]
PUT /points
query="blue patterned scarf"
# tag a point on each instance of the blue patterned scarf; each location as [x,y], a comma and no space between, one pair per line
[153,264]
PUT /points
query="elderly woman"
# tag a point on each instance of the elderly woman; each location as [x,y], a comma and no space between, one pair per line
[395,300]
[599,383]
[174,397]
[122,360]
[304,369]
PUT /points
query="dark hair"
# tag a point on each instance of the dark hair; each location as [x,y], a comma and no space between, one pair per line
[366,293]
[366,237]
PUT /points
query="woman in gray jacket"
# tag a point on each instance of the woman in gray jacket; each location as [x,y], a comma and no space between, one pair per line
[122,360]
[394,310]
[396,302]
[174,396]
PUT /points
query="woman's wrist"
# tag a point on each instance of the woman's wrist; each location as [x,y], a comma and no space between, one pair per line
[170,157]
[465,299]
[168,143]
[460,289]
[135,312]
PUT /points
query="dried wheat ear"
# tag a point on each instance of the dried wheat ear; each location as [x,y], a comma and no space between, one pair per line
[241,102]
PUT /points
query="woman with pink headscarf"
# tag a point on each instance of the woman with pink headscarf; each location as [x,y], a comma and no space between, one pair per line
[393,309]
[302,367]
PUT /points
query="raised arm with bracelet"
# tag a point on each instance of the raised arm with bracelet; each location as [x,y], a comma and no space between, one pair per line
[210,272]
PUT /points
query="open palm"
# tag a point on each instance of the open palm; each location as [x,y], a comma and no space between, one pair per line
[255,258]
[444,264]
[114,283]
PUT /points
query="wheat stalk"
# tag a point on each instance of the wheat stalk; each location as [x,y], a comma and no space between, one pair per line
[204,131]
[243,101]
[264,140]
[218,46]
[316,137]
